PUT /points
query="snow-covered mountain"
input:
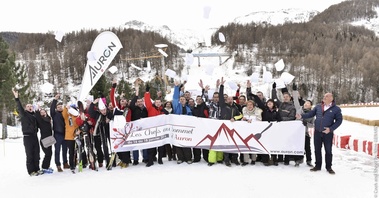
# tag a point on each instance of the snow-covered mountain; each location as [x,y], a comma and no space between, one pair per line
[278,17]
[189,39]
[370,23]
[184,38]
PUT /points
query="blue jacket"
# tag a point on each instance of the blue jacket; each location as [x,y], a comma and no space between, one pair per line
[331,118]
[176,105]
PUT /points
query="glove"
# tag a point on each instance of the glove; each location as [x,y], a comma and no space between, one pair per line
[274,85]
[147,88]
[294,87]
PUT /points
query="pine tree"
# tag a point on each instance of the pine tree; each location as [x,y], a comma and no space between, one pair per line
[126,88]
[7,81]
[99,89]
[23,85]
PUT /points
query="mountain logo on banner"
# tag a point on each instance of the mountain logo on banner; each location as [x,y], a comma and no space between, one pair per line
[232,134]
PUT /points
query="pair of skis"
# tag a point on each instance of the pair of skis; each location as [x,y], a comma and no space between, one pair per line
[105,140]
[91,154]
[79,148]
[111,160]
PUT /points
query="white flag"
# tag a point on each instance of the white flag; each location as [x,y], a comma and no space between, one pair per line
[106,47]
[59,35]
[287,77]
[221,37]
[279,66]
[267,77]
[206,12]
[135,67]
[170,73]
[112,69]
[255,77]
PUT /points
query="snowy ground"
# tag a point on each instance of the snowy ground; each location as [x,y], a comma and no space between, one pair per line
[354,176]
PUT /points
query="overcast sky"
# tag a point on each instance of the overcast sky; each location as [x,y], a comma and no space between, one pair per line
[70,15]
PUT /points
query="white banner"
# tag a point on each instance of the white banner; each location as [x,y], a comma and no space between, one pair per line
[221,135]
[104,49]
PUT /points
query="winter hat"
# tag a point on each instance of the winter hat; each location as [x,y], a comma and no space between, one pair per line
[102,104]
[73,112]
[90,98]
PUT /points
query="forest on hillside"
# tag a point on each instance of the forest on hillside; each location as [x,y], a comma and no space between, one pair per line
[325,55]
[44,56]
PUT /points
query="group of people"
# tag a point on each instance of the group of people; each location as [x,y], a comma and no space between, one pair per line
[74,126]
[71,126]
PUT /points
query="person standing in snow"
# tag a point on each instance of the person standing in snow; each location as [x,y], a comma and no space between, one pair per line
[181,107]
[102,116]
[328,119]
[29,130]
[45,126]
[229,111]
[269,114]
[171,152]
[308,123]
[250,113]
[56,110]
[200,110]
[153,109]
[121,108]
[214,113]
[70,114]
[287,112]
[138,111]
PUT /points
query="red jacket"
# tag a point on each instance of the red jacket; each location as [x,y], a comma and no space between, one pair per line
[237,96]
[113,99]
[80,122]
[115,104]
[152,110]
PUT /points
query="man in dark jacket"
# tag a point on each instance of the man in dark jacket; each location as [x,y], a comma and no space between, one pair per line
[138,111]
[287,112]
[101,128]
[229,111]
[200,110]
[328,119]
[29,130]
[59,133]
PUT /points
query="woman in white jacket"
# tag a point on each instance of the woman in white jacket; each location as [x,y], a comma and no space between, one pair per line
[251,113]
